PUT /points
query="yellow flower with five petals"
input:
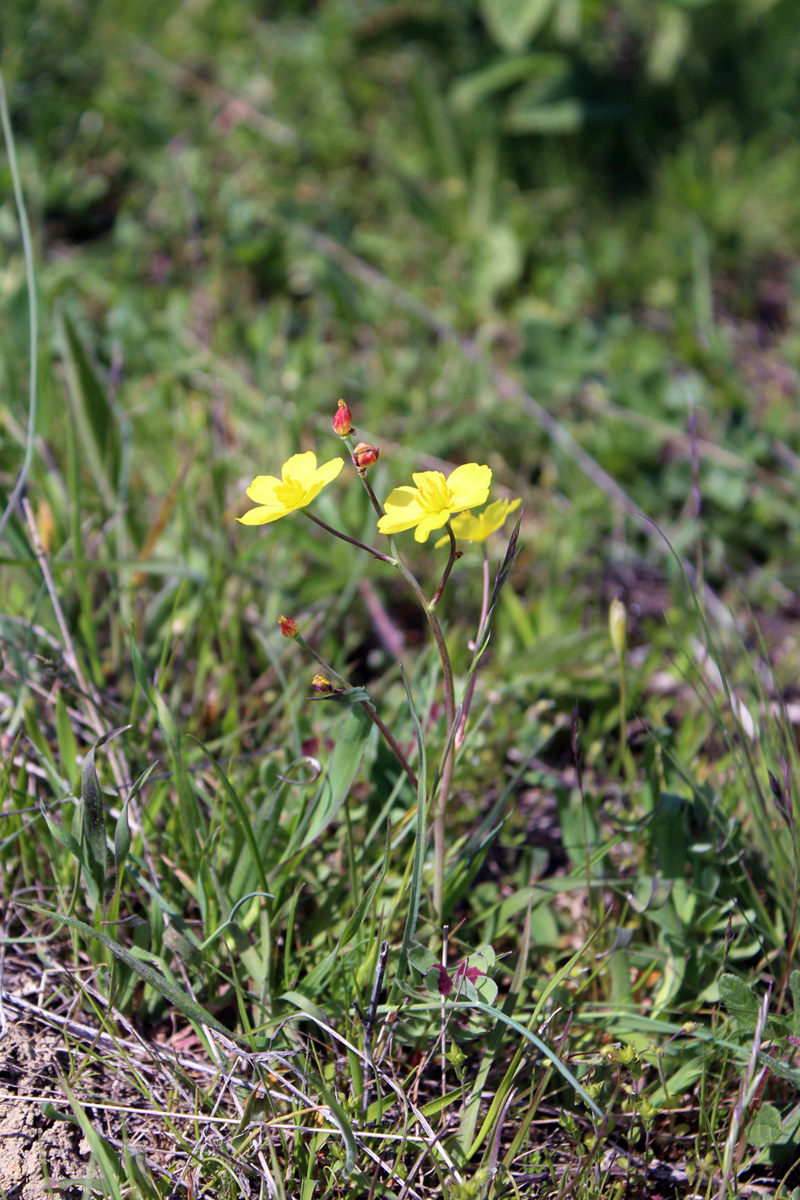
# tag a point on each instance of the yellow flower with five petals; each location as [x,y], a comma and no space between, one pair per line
[434,500]
[470,528]
[301,480]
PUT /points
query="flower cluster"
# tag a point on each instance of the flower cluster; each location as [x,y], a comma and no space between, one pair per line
[430,504]
[433,501]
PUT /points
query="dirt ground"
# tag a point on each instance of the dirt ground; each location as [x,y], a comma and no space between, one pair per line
[34,1150]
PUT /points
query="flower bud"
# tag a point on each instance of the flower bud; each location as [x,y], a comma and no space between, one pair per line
[364,456]
[289,627]
[322,686]
[342,420]
[618,627]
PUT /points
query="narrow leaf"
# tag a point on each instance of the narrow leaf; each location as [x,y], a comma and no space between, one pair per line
[94,823]
[170,991]
[365,903]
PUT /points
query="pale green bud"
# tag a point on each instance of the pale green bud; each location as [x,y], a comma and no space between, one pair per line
[618,627]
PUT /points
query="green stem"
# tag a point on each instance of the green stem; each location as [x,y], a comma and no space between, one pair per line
[448,760]
[33,311]
[373,716]
[465,707]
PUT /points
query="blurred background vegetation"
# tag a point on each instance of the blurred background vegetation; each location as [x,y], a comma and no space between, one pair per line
[242,211]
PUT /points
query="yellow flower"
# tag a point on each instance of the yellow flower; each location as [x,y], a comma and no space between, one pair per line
[477,529]
[301,480]
[431,504]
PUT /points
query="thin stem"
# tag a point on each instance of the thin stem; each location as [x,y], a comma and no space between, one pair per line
[353,541]
[437,595]
[33,312]
[465,707]
[375,502]
[373,716]
[448,760]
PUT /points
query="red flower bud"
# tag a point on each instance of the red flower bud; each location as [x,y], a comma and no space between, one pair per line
[342,420]
[364,456]
[289,627]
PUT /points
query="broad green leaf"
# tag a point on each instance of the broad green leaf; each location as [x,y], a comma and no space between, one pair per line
[422,959]
[781,1069]
[345,761]
[740,1001]
[794,984]
[765,1128]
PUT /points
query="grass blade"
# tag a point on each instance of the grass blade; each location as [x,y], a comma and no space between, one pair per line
[170,991]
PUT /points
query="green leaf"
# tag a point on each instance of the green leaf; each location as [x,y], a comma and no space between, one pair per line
[122,832]
[110,1166]
[241,812]
[170,991]
[781,1069]
[67,746]
[765,1128]
[562,1068]
[422,959]
[365,903]
[340,1119]
[794,984]
[474,89]
[95,420]
[94,822]
[343,769]
[512,23]
[740,1001]
[192,829]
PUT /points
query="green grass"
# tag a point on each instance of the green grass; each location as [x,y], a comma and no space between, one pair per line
[237,216]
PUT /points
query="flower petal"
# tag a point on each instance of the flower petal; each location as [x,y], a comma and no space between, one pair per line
[430,522]
[300,468]
[327,472]
[468,483]
[431,478]
[469,486]
[263,516]
[399,519]
[402,497]
[467,527]
[262,489]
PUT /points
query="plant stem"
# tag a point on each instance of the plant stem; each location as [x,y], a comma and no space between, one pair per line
[437,595]
[448,760]
[373,716]
[465,707]
[353,541]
